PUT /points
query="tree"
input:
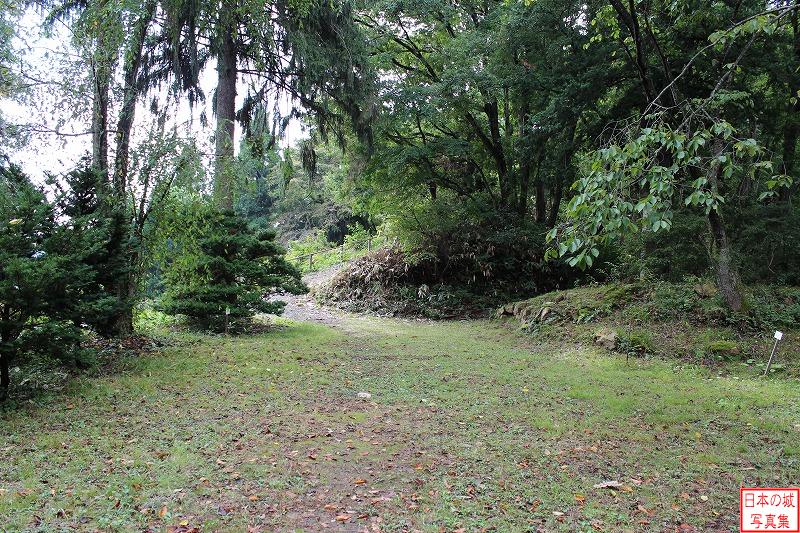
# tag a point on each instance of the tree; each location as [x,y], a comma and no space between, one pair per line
[231,273]
[307,50]
[10,83]
[26,220]
[56,267]
[688,153]
[106,30]
[89,235]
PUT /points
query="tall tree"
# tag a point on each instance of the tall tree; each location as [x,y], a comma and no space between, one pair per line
[307,51]
[225,103]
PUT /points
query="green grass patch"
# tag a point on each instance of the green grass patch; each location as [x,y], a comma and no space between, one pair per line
[469,425]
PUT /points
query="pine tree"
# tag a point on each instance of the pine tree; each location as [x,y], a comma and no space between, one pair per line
[25,221]
[57,264]
[94,239]
[236,271]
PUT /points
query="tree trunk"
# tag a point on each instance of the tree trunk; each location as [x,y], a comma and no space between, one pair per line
[727,277]
[225,109]
[525,163]
[556,204]
[726,272]
[566,174]
[541,200]
[126,292]
[133,64]
[524,184]
[5,378]
[102,66]
[630,19]
[102,88]
[125,287]
[792,128]
[790,134]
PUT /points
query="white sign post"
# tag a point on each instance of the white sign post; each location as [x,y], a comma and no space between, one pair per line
[778,337]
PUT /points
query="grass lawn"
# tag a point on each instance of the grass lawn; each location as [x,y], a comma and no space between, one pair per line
[469,427]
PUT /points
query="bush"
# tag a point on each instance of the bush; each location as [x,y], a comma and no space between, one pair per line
[680,252]
[637,342]
[765,241]
[723,349]
[464,273]
[774,307]
[326,253]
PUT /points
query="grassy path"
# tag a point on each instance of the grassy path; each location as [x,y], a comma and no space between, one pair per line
[469,427]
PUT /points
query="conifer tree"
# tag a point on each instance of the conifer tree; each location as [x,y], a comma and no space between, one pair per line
[236,270]
[56,268]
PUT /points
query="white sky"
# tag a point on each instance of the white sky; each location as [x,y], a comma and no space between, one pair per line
[46,59]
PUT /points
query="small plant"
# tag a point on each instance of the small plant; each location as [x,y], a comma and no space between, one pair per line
[774,368]
[637,343]
[150,321]
[327,254]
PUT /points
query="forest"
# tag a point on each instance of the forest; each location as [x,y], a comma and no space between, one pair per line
[398,265]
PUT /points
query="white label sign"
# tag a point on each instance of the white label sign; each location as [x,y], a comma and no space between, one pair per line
[778,335]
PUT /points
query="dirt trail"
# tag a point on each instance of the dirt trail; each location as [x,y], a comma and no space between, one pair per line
[304,308]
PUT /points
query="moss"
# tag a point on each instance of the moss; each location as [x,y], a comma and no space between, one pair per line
[722,347]
[581,305]
[617,295]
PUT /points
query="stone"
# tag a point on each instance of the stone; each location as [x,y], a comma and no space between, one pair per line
[606,338]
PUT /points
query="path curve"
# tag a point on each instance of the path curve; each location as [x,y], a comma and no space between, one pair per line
[304,308]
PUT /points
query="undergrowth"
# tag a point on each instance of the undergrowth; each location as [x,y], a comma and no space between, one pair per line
[685,320]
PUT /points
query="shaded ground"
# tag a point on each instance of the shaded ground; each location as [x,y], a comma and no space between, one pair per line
[468,427]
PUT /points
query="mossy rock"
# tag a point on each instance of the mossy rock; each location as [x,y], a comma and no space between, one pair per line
[580,305]
[722,348]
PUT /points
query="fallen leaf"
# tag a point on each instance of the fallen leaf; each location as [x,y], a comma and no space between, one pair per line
[580,498]
[360,481]
[330,507]
[616,485]
[253,498]
[342,517]
[163,512]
